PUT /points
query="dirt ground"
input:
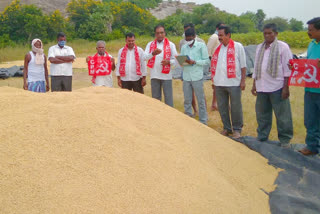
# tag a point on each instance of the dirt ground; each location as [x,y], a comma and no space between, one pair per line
[78,63]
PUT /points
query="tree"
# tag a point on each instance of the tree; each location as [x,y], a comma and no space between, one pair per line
[295,25]
[204,17]
[80,10]
[246,25]
[57,23]
[249,15]
[129,17]
[282,23]
[23,23]
[144,4]
[98,24]
[260,16]
[173,25]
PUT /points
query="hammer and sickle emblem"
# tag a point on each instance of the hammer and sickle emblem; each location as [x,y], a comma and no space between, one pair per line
[310,77]
[102,68]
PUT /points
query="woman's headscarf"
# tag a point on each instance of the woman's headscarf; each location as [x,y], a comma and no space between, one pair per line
[39,52]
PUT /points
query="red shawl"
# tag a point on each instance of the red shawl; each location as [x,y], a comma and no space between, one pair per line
[166,55]
[123,60]
[231,60]
[96,65]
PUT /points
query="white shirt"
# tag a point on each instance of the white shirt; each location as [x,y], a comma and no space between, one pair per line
[156,71]
[221,78]
[64,69]
[130,68]
[213,43]
[105,80]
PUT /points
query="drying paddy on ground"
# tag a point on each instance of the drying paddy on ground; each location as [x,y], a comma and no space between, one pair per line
[106,150]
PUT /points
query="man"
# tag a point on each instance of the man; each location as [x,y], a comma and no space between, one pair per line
[131,67]
[193,74]
[270,85]
[312,95]
[61,58]
[160,55]
[205,68]
[228,67]
[35,70]
[183,41]
[103,80]
[213,43]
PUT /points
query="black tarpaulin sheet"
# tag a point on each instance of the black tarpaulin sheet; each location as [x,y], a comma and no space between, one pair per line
[298,184]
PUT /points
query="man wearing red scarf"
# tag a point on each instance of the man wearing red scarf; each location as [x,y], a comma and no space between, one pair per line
[228,67]
[105,80]
[160,55]
[131,68]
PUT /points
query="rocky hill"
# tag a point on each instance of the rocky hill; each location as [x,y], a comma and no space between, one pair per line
[164,9]
[167,8]
[46,5]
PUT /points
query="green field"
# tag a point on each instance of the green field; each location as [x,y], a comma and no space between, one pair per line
[298,41]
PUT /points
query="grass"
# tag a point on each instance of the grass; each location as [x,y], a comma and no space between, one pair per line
[83,47]
[81,80]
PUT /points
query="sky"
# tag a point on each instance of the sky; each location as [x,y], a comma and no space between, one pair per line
[302,10]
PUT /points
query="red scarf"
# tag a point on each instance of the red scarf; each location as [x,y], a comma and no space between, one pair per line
[107,59]
[166,55]
[123,61]
[231,60]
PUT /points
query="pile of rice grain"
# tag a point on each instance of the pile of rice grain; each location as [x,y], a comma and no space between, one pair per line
[102,150]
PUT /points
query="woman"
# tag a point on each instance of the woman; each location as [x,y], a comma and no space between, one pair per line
[35,69]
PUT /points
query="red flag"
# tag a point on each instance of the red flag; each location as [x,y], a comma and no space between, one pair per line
[99,65]
[305,73]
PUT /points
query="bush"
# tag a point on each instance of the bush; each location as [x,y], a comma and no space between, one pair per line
[116,34]
[5,41]
[295,39]
[248,38]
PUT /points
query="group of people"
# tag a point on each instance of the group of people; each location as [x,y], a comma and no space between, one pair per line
[224,57]
[35,73]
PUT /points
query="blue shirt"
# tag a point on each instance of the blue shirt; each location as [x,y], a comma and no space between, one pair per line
[199,53]
[313,53]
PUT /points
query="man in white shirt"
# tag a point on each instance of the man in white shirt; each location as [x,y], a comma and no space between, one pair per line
[228,67]
[131,67]
[160,55]
[61,58]
[103,80]
[213,43]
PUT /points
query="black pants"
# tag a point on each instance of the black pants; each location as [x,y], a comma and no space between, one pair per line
[61,83]
[133,85]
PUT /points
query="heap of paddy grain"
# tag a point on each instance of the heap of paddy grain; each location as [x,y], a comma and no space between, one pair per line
[102,150]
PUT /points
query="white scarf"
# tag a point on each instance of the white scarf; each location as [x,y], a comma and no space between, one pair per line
[39,52]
